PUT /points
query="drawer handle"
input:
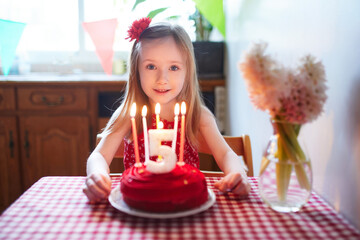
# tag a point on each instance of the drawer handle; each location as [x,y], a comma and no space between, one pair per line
[11,144]
[27,144]
[58,102]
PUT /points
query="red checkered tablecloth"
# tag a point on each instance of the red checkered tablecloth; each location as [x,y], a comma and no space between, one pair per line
[56,208]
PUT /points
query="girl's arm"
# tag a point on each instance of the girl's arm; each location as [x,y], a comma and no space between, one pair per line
[235,179]
[98,183]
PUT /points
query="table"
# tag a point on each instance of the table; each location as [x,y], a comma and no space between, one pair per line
[56,208]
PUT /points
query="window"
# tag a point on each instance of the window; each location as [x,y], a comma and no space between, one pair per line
[47,23]
[54,36]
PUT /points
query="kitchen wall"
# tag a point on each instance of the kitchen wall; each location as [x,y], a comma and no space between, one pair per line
[330,30]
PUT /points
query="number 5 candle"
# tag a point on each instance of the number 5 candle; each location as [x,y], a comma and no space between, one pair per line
[168,162]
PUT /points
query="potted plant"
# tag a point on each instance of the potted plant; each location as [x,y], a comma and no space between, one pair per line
[209,54]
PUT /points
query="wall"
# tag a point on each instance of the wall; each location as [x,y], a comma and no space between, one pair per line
[330,30]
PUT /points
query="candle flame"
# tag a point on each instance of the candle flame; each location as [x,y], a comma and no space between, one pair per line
[157,108]
[161,125]
[133,110]
[183,108]
[144,111]
[177,109]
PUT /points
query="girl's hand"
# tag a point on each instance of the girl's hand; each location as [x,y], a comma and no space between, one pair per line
[97,187]
[235,183]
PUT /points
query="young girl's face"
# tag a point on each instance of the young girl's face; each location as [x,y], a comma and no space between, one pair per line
[162,71]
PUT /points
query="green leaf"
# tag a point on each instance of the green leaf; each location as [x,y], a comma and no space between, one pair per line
[173,17]
[137,2]
[155,12]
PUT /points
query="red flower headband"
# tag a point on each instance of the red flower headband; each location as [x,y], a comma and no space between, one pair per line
[137,28]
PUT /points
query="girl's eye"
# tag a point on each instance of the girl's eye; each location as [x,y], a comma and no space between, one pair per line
[150,67]
[174,68]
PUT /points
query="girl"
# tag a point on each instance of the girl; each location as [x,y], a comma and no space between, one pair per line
[162,70]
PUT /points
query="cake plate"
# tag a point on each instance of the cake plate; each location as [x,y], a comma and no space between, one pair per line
[117,201]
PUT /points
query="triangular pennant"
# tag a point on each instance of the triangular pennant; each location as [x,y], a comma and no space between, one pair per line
[10,34]
[102,34]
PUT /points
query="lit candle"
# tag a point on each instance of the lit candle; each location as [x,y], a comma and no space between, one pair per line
[176,112]
[146,139]
[182,133]
[136,147]
[157,112]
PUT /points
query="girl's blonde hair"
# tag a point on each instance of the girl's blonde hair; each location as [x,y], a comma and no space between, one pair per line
[134,93]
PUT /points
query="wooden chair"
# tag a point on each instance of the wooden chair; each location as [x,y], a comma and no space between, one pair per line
[241,145]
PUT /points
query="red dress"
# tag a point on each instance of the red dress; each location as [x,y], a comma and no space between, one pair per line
[191,156]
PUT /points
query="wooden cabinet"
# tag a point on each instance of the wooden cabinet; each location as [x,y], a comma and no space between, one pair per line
[53,146]
[45,130]
[10,175]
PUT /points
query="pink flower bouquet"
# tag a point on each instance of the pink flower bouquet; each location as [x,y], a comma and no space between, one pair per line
[292,97]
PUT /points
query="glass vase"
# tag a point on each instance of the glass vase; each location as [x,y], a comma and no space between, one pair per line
[285,179]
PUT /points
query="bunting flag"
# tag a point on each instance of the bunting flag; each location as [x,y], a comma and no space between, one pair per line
[10,34]
[102,34]
[213,11]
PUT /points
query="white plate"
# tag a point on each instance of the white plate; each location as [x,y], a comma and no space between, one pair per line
[117,201]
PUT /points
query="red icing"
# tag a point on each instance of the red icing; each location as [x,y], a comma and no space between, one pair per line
[181,189]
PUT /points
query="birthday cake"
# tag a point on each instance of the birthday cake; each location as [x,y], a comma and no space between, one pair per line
[164,185]
[181,189]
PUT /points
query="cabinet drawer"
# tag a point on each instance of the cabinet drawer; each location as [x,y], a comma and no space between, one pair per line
[7,98]
[52,98]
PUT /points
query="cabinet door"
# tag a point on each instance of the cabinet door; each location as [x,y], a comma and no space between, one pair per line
[53,146]
[10,181]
